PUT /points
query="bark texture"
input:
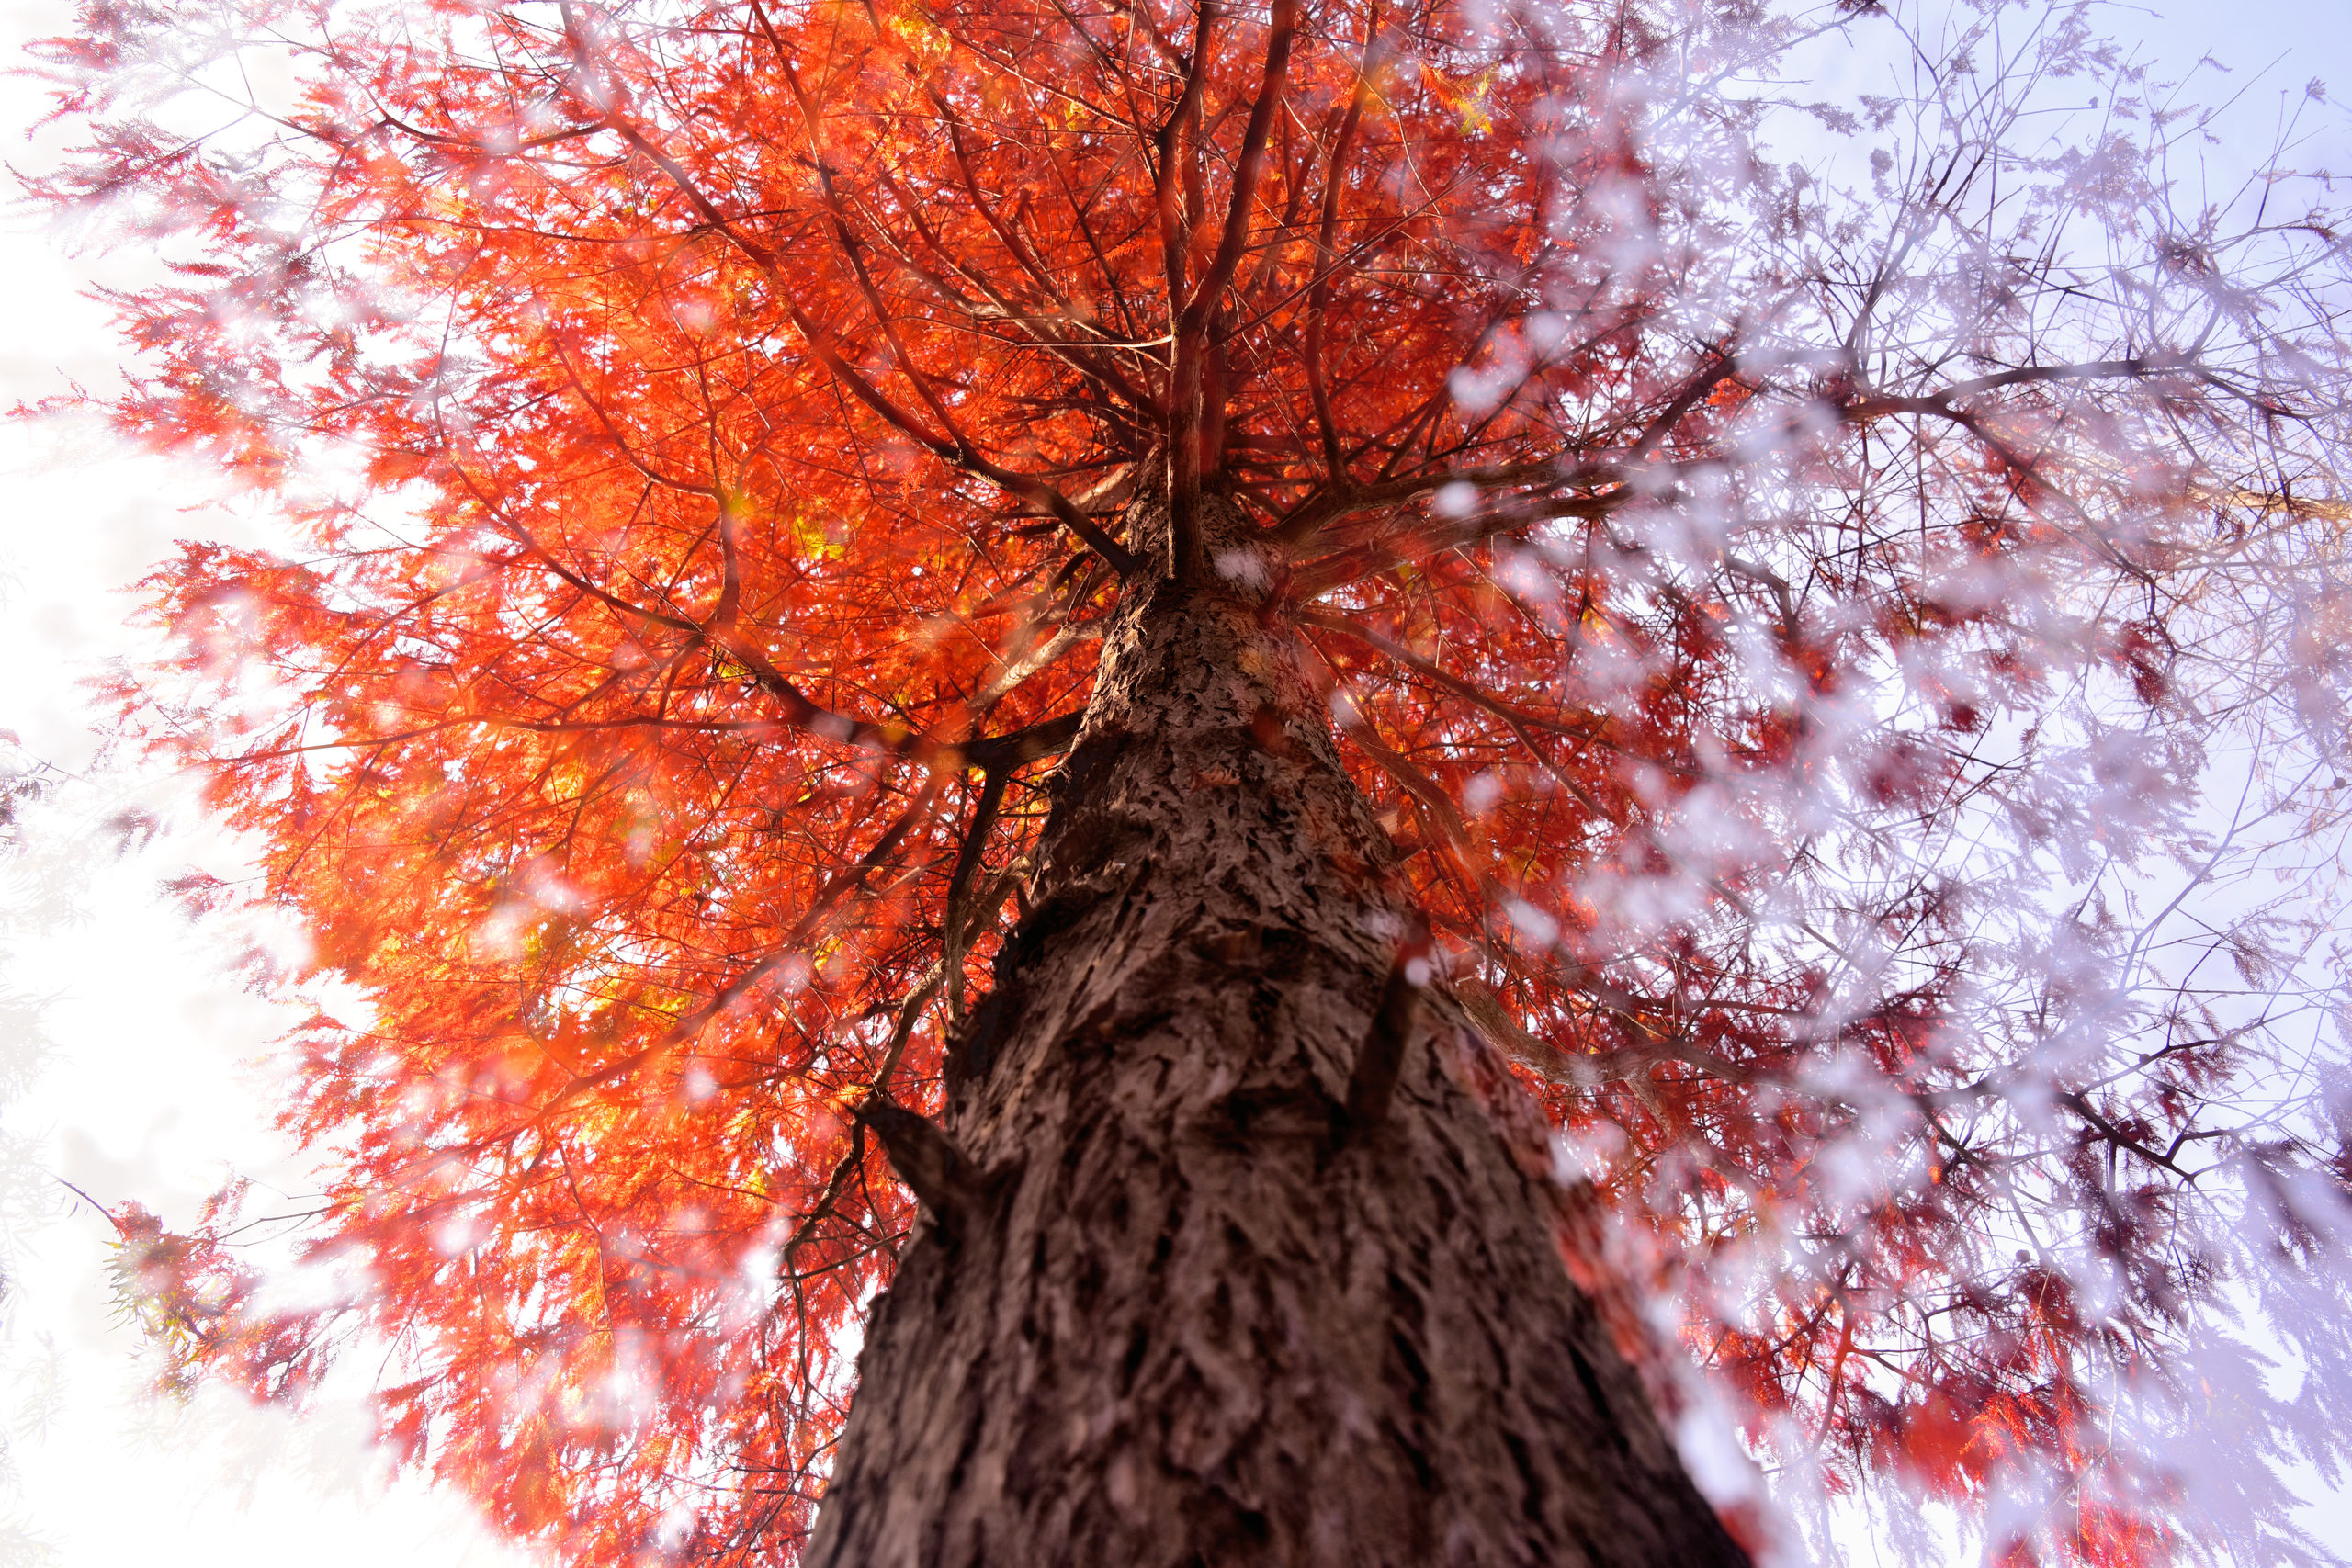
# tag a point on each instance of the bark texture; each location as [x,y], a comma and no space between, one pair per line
[1174,1304]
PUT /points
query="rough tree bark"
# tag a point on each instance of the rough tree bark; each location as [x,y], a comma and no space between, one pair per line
[1188,1292]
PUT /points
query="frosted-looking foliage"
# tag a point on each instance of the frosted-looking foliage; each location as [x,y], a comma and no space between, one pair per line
[34,884]
[1840,605]
[1975,978]
[1973,972]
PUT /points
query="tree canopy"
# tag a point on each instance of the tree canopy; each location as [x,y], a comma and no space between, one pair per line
[1841,604]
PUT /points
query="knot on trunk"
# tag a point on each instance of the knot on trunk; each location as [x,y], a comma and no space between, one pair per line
[1381,1057]
[945,1180]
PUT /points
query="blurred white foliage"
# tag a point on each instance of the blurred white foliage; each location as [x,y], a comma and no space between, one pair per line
[2002,283]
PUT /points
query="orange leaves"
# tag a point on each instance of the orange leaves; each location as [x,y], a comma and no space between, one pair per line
[1935,1440]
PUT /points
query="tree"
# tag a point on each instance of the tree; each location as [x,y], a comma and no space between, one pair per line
[1310,659]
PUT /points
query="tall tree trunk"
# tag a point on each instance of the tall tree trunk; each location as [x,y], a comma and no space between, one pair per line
[1174,1304]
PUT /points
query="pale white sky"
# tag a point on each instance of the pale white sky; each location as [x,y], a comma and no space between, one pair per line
[145,1091]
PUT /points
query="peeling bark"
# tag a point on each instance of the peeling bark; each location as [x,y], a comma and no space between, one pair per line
[1187,1310]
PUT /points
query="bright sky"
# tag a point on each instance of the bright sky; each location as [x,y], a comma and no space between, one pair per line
[145,1090]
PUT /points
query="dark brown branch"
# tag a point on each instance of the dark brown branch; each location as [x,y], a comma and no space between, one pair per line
[1373,1084]
[1318,297]
[1326,507]
[1435,538]
[2136,367]
[925,1159]
[967,860]
[1178,192]
[1046,738]
[1722,368]
[1205,299]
